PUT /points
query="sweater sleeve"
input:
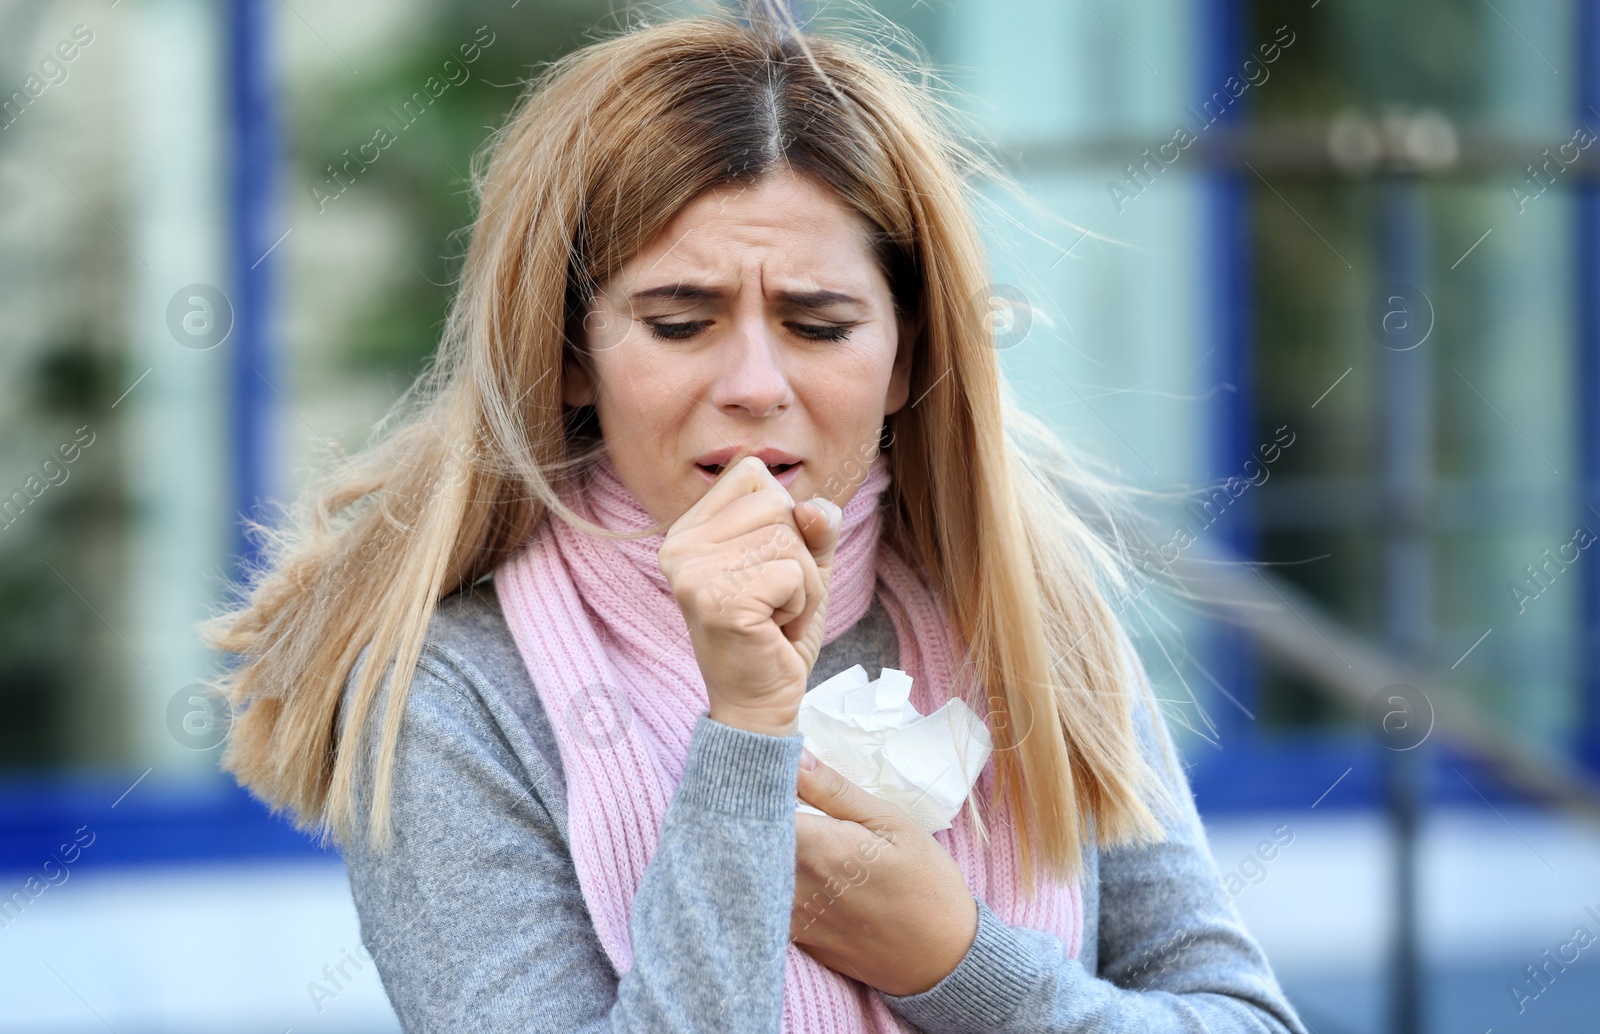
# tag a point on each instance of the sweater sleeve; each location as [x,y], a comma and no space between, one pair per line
[1174,955]
[474,916]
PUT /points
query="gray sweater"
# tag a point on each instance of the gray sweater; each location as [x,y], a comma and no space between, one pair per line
[476,922]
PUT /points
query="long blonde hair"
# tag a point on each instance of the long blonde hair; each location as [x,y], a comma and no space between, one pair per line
[606,145]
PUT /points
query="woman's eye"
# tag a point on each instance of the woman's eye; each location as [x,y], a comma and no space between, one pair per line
[687,329]
[677,331]
[821,331]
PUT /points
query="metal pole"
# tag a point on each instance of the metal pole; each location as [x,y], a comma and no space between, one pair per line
[1586,329]
[1407,421]
[1227,286]
[252,377]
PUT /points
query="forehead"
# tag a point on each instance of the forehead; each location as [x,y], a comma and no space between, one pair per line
[784,224]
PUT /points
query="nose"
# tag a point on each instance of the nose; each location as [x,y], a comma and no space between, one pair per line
[752,378]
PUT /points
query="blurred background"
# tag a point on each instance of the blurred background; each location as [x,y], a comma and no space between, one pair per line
[1338,262]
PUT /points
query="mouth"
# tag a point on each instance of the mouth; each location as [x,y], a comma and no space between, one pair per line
[715,469]
[781,464]
[785,473]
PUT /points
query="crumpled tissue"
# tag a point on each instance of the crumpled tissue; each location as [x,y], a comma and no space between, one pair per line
[869,732]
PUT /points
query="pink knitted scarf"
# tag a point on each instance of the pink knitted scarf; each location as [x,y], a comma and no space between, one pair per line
[601,632]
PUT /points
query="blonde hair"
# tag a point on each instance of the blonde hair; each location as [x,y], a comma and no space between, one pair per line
[606,145]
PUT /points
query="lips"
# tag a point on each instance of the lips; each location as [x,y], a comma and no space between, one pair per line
[777,460]
[784,474]
[716,468]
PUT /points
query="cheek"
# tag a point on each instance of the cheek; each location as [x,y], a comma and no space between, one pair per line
[851,394]
[844,394]
[859,377]
[643,395]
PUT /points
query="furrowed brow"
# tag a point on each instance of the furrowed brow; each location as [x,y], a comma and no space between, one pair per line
[678,292]
[700,292]
[818,299]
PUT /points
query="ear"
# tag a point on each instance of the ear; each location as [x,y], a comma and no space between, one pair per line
[577,380]
[900,377]
[577,385]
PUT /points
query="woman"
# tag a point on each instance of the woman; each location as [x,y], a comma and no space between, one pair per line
[714,418]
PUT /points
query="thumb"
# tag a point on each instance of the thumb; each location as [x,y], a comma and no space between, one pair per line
[820,520]
[826,790]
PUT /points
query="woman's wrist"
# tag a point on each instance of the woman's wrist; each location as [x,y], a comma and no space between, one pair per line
[766,721]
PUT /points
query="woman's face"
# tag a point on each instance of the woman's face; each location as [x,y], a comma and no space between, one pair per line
[759,318]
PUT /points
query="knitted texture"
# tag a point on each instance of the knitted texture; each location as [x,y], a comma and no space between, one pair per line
[609,654]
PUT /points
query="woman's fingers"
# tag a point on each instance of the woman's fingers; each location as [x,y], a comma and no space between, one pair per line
[825,789]
[819,521]
[770,568]
[741,514]
[747,477]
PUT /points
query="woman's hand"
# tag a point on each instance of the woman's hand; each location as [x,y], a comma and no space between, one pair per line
[750,570]
[875,897]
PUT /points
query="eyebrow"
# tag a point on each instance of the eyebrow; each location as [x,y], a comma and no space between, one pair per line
[699,292]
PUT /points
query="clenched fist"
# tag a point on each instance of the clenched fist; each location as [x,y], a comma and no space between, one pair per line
[749,568]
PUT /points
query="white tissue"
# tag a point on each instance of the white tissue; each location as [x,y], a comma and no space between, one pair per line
[869,733]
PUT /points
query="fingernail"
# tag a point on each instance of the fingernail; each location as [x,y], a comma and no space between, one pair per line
[829,508]
[808,760]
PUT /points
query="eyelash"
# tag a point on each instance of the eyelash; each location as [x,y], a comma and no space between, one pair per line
[809,331]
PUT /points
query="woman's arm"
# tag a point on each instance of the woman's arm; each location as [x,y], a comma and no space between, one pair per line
[475,918]
[1174,955]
